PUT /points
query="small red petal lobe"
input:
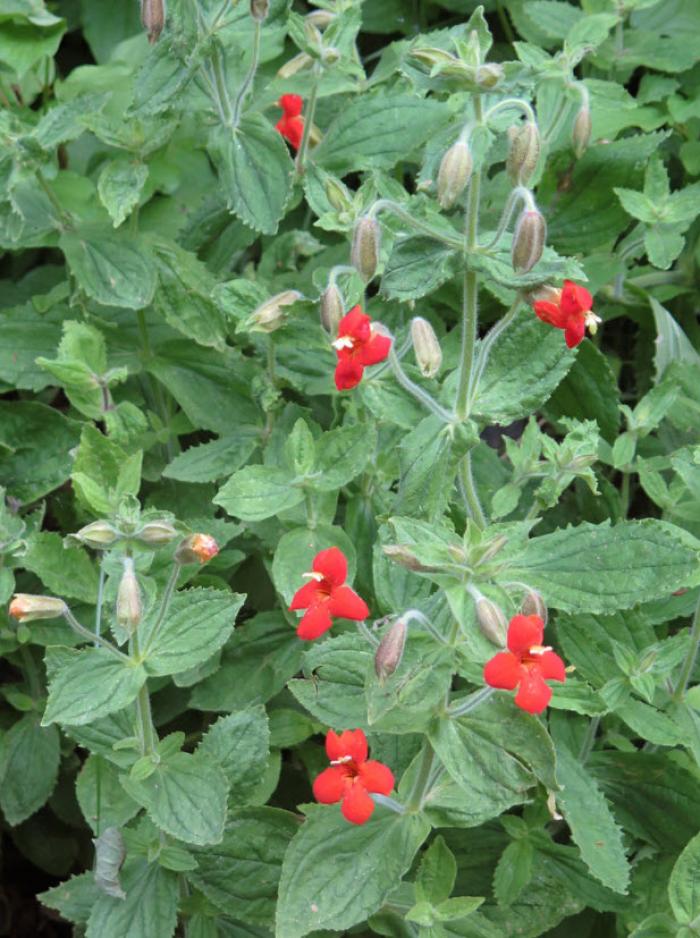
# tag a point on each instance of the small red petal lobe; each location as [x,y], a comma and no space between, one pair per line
[346,604]
[348,374]
[351,743]
[574,299]
[314,622]
[552,667]
[377,777]
[292,129]
[357,806]
[305,597]
[291,104]
[331,563]
[550,313]
[533,694]
[524,632]
[575,331]
[503,671]
[329,786]
[376,350]
[356,324]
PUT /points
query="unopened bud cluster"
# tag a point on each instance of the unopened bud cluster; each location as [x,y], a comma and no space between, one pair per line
[101,535]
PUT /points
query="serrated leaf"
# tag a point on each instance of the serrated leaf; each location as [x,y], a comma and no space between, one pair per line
[257,492]
[240,743]
[437,873]
[102,799]
[513,872]
[342,454]
[208,462]
[149,909]
[93,685]
[417,266]
[29,758]
[111,269]
[672,344]
[333,689]
[684,884]
[69,573]
[73,899]
[120,185]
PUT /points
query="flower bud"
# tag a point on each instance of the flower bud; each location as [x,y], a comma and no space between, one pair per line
[332,309]
[533,605]
[313,35]
[454,173]
[197,548]
[488,76]
[426,347]
[403,556]
[156,533]
[98,534]
[259,10]
[129,607]
[270,314]
[26,608]
[338,194]
[294,65]
[528,240]
[153,18]
[330,55]
[524,152]
[390,650]
[320,18]
[581,131]
[491,621]
[364,254]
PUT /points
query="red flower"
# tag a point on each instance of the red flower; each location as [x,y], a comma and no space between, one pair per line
[327,595]
[527,664]
[356,347]
[291,124]
[568,309]
[351,777]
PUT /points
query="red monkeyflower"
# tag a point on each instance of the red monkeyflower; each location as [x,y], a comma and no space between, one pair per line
[356,347]
[351,777]
[291,124]
[526,665]
[327,595]
[568,309]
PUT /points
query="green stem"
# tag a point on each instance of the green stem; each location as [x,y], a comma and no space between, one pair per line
[512,103]
[689,663]
[471,498]
[420,786]
[230,116]
[487,345]
[471,702]
[588,742]
[625,494]
[249,78]
[308,121]
[91,637]
[386,205]
[146,731]
[64,219]
[30,672]
[420,395]
[366,634]
[164,606]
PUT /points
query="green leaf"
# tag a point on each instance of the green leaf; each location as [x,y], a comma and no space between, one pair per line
[24,42]
[436,874]
[185,796]
[672,344]
[684,884]
[663,244]
[342,454]
[428,457]
[296,550]
[150,907]
[513,872]
[197,624]
[208,462]
[417,266]
[589,392]
[255,172]
[376,132]
[600,568]
[240,743]
[93,685]
[257,492]
[26,335]
[592,824]
[637,205]
[113,270]
[120,185]
[316,892]
[74,899]
[241,875]
[68,572]
[103,473]
[29,758]
[333,689]
[102,799]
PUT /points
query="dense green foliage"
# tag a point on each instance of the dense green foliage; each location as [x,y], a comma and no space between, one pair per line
[164,371]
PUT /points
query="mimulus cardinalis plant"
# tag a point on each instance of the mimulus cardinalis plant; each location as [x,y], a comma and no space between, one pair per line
[327,596]
[352,778]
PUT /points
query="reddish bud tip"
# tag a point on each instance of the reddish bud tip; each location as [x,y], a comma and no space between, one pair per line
[197,548]
[26,608]
[390,650]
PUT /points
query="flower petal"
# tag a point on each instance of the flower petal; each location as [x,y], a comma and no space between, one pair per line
[314,622]
[357,806]
[549,313]
[377,777]
[331,563]
[503,671]
[346,604]
[306,596]
[376,350]
[355,323]
[575,331]
[552,667]
[574,299]
[533,694]
[351,743]
[291,104]
[524,632]
[348,374]
[329,786]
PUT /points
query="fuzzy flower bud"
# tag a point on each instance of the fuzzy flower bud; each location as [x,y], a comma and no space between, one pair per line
[488,76]
[426,347]
[534,605]
[364,254]
[390,650]
[524,152]
[581,131]
[338,194]
[332,309]
[156,533]
[98,534]
[197,548]
[294,65]
[404,558]
[153,18]
[528,240]
[454,173]
[320,18]
[26,608]
[129,607]
[259,10]
[491,621]
[270,314]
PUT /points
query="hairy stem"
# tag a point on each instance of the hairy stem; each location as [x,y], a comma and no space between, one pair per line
[471,497]
[91,636]
[308,121]
[420,395]
[249,78]
[420,786]
[471,702]
[164,606]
